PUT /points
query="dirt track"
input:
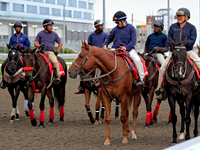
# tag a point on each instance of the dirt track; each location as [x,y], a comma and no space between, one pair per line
[77,132]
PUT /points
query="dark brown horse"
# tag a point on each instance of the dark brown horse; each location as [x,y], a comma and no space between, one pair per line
[38,75]
[181,87]
[117,82]
[149,89]
[13,75]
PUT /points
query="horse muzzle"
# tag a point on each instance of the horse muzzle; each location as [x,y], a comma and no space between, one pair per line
[73,73]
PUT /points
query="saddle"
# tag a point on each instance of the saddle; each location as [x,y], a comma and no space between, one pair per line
[125,54]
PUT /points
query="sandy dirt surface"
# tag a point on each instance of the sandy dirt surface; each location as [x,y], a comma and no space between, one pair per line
[77,132]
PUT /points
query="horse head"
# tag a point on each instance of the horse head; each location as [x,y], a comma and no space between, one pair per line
[13,58]
[179,58]
[82,62]
[28,62]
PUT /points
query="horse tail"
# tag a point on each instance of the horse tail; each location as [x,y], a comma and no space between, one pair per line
[59,89]
[129,102]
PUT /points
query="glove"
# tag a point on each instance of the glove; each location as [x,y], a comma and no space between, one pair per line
[42,45]
[20,45]
[56,53]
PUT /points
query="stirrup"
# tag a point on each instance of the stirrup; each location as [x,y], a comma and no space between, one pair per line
[57,79]
[3,86]
[140,83]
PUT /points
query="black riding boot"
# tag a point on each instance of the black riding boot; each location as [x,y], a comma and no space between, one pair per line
[3,83]
[81,90]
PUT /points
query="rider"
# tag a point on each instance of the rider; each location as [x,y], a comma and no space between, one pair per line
[157,42]
[96,38]
[125,34]
[47,38]
[179,31]
[17,39]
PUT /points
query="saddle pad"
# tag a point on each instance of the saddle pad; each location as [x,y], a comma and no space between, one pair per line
[155,64]
[62,72]
[191,62]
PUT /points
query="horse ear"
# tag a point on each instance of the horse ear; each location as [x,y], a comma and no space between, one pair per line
[172,41]
[8,46]
[185,41]
[83,45]
[32,50]
[198,47]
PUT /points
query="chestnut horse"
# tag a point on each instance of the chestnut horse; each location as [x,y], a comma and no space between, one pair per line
[13,75]
[117,82]
[181,87]
[38,75]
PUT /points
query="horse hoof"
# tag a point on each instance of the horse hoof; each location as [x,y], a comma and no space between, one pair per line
[125,140]
[27,114]
[96,122]
[41,125]
[151,123]
[155,119]
[146,125]
[101,120]
[133,137]
[182,136]
[107,142]
[169,122]
[61,119]
[50,121]
[11,121]
[116,118]
[34,122]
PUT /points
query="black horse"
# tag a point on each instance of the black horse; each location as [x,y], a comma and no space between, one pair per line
[181,87]
[38,75]
[14,78]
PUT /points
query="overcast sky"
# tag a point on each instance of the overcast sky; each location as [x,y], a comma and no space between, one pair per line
[142,8]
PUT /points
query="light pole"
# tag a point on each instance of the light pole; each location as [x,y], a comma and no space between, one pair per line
[78,35]
[85,33]
[72,31]
[34,27]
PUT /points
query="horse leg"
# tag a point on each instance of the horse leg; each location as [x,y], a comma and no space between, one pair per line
[30,106]
[117,111]
[98,106]
[148,106]
[155,112]
[43,95]
[102,114]
[170,118]
[107,103]
[87,104]
[136,103]
[182,112]
[24,91]
[187,116]
[17,114]
[11,91]
[171,102]
[51,103]
[196,115]
[17,90]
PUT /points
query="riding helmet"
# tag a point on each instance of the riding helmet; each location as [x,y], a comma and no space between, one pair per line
[17,24]
[120,15]
[160,24]
[47,22]
[98,22]
[183,12]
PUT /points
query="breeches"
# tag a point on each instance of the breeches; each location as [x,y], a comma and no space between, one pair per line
[52,57]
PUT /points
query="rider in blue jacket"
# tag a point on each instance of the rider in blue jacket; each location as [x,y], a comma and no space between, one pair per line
[17,39]
[125,34]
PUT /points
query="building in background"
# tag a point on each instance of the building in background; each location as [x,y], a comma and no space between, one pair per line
[78,18]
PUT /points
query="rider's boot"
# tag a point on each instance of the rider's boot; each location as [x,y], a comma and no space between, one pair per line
[3,84]
[140,83]
[160,93]
[57,79]
[81,90]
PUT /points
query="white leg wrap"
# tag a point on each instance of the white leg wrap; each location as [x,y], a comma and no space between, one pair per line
[134,137]
[17,110]
[182,136]
[25,105]
[13,112]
